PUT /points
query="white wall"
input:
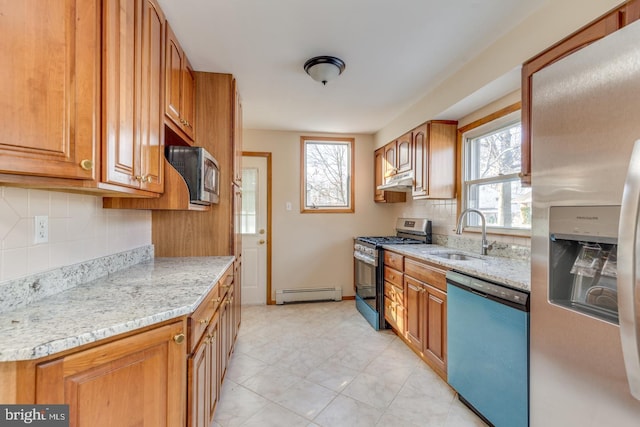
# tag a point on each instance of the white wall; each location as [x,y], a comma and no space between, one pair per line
[314,250]
[79,230]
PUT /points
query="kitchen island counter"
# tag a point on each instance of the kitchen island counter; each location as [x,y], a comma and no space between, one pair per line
[136,297]
[511,272]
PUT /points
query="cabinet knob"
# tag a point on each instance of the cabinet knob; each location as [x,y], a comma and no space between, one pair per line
[179,339]
[261,242]
[204,321]
[216,300]
[86,164]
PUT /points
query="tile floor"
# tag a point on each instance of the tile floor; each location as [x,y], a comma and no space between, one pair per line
[321,364]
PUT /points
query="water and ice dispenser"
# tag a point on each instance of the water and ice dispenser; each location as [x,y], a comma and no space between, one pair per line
[583,259]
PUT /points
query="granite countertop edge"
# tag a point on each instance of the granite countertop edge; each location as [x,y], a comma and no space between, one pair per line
[142,295]
[511,272]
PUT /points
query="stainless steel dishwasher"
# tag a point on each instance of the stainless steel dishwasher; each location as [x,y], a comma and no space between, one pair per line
[488,348]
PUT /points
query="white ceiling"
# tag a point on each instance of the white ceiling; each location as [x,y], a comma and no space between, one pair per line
[395,52]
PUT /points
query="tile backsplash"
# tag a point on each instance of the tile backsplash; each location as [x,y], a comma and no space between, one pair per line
[79,230]
[443,215]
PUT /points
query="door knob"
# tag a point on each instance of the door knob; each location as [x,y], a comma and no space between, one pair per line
[261,242]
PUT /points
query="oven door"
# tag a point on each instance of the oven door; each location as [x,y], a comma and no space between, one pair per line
[365,279]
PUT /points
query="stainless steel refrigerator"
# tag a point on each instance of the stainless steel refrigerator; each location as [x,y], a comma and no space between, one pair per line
[585,293]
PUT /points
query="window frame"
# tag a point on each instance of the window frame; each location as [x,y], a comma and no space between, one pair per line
[508,115]
[303,175]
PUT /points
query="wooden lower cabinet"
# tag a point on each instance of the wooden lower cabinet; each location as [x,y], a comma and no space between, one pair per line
[164,376]
[138,380]
[211,344]
[417,311]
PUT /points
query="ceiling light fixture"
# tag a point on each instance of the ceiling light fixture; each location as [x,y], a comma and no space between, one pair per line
[324,68]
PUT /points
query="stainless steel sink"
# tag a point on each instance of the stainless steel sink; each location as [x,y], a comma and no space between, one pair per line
[454,256]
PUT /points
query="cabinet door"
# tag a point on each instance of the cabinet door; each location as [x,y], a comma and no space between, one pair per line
[378,161]
[595,31]
[404,153]
[121,47]
[223,334]
[151,108]
[50,85]
[420,162]
[137,380]
[435,340]
[213,362]
[173,77]
[441,160]
[414,305]
[188,89]
[380,165]
[133,143]
[390,157]
[199,384]
[237,137]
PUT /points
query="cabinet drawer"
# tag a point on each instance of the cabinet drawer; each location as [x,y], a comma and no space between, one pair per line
[394,314]
[427,273]
[226,282]
[201,317]
[394,293]
[392,275]
[394,260]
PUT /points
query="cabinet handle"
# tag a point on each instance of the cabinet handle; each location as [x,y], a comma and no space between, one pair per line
[86,164]
[138,178]
[179,339]
[216,300]
[204,321]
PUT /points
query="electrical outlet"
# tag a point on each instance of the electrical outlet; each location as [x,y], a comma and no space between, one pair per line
[287,206]
[41,229]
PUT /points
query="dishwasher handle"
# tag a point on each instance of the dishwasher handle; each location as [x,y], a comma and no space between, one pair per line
[491,290]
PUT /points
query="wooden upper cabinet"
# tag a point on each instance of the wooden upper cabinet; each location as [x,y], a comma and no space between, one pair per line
[381,196]
[434,157]
[133,140]
[50,85]
[404,153]
[137,380]
[601,27]
[179,88]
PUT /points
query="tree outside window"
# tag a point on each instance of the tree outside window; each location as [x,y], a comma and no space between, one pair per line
[327,175]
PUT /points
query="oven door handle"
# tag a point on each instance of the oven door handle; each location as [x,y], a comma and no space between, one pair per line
[365,258]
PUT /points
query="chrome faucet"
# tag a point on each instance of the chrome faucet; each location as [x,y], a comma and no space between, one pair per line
[485,242]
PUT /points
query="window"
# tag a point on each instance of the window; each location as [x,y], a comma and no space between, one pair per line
[327,175]
[248,214]
[491,181]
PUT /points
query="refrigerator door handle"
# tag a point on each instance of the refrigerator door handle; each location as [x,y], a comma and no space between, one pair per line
[628,268]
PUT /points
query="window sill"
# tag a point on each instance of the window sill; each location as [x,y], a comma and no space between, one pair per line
[511,232]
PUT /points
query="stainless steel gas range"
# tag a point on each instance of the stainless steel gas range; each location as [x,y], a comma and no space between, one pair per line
[368,257]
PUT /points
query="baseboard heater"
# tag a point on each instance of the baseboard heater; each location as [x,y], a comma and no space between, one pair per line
[308,294]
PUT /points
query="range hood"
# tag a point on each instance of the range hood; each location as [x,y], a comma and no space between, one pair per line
[402,182]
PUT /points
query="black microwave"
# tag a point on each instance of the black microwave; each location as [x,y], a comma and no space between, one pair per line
[199,170]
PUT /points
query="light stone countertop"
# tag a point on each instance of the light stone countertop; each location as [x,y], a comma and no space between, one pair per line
[511,272]
[141,295]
